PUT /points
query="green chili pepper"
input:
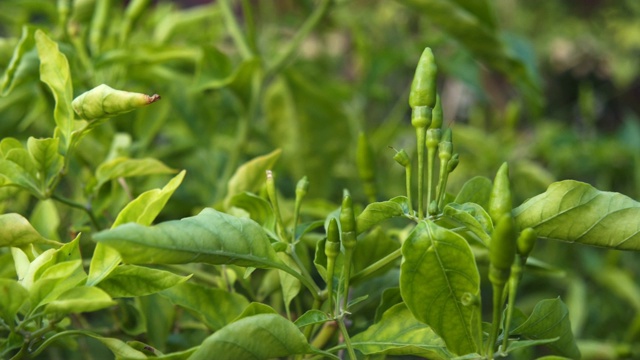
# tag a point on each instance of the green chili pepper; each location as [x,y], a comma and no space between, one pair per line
[423,87]
[402,158]
[103,102]
[366,166]
[348,227]
[331,250]
[453,163]
[526,241]
[502,249]
[437,116]
[301,191]
[500,201]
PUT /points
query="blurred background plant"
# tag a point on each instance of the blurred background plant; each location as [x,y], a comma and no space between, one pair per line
[551,87]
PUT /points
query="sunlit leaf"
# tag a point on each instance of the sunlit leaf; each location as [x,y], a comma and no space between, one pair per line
[12,296]
[251,175]
[78,300]
[215,307]
[550,319]
[595,217]
[125,167]
[473,218]
[258,208]
[399,333]
[16,231]
[55,280]
[442,259]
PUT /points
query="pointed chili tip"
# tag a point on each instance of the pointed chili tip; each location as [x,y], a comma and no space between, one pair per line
[153,98]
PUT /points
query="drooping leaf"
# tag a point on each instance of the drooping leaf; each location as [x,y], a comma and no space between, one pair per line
[78,300]
[24,44]
[54,71]
[473,218]
[159,314]
[12,296]
[289,284]
[391,296]
[263,336]
[475,190]
[250,176]
[576,212]
[211,236]
[119,348]
[16,231]
[443,260]
[131,281]
[377,212]
[372,247]
[215,307]
[550,319]
[399,333]
[125,167]
[258,208]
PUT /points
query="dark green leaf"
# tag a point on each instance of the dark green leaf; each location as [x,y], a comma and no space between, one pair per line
[131,281]
[263,336]
[438,269]
[522,344]
[390,296]
[399,333]
[215,307]
[550,319]
[576,212]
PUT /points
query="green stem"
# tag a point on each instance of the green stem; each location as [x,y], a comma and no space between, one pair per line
[497,316]
[408,183]
[362,274]
[442,184]
[303,276]
[431,157]
[308,330]
[443,191]
[325,334]
[347,339]
[331,265]
[287,54]
[247,10]
[346,271]
[234,29]
[514,281]
[79,206]
[420,139]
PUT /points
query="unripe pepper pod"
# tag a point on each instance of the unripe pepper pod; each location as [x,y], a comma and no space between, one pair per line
[103,102]
[445,148]
[453,163]
[502,249]
[347,217]
[437,116]
[421,117]
[332,245]
[526,241]
[500,201]
[364,158]
[423,87]
[301,187]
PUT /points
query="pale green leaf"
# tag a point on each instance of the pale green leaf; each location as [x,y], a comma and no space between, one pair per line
[263,336]
[251,176]
[24,44]
[211,236]
[16,231]
[289,284]
[126,167]
[104,260]
[119,348]
[78,300]
[55,280]
[215,307]
[399,333]
[258,208]
[132,281]
[46,219]
[7,144]
[14,174]
[475,190]
[550,319]
[48,162]
[576,212]
[312,317]
[473,219]
[438,269]
[255,308]
[377,212]
[12,296]
[54,71]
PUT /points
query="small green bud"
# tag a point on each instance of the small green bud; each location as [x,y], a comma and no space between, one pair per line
[332,245]
[445,148]
[103,102]
[364,159]
[469,299]
[500,201]
[502,249]
[301,187]
[402,158]
[453,163]
[421,117]
[423,87]
[526,241]
[437,115]
[433,208]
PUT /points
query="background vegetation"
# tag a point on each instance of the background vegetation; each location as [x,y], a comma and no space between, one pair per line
[551,87]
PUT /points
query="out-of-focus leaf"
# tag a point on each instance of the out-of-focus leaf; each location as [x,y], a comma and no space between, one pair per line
[251,175]
[596,217]
[550,319]
[371,248]
[399,333]
[46,219]
[26,43]
[475,190]
[16,231]
[119,348]
[131,281]
[443,259]
[263,336]
[159,314]
[12,296]
[125,167]
[215,307]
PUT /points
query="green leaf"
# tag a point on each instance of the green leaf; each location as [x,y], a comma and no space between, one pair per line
[12,173]
[255,308]
[125,167]
[438,269]
[377,212]
[54,71]
[259,209]
[55,280]
[118,347]
[522,344]
[312,317]
[474,220]
[289,284]
[550,319]
[47,160]
[239,81]
[211,236]
[131,281]
[263,336]
[78,300]
[372,247]
[46,219]
[390,296]
[104,260]
[24,44]
[159,314]
[16,231]
[399,333]
[12,296]
[7,144]
[596,217]
[475,190]
[215,307]
[251,176]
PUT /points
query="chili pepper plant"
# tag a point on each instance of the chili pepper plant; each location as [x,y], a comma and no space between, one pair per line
[431,274]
